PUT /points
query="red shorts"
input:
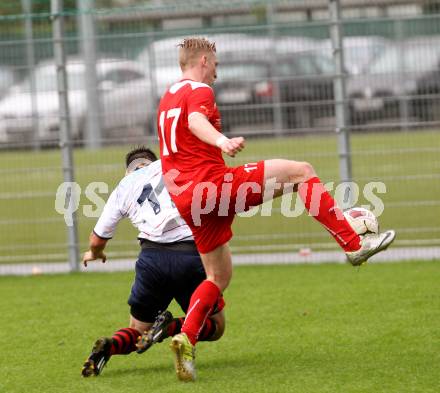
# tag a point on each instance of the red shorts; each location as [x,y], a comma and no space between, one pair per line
[214,205]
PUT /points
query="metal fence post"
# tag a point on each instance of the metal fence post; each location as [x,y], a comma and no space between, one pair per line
[93,126]
[276,97]
[403,105]
[344,148]
[65,137]
[152,65]
[30,63]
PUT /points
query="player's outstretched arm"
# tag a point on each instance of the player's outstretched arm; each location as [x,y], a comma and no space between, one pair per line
[206,132]
[231,146]
[96,249]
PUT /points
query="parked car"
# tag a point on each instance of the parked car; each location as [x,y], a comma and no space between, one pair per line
[386,92]
[162,55]
[359,51]
[125,101]
[242,89]
[285,45]
[246,91]
[7,78]
[306,89]
[426,99]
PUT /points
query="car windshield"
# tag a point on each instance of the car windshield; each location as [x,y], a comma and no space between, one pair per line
[241,71]
[415,59]
[46,79]
[6,78]
[357,57]
[357,54]
[325,65]
[305,64]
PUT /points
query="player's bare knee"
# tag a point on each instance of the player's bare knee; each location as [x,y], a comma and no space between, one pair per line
[304,171]
[309,171]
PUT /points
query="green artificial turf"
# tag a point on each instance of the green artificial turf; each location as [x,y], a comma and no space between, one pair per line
[304,329]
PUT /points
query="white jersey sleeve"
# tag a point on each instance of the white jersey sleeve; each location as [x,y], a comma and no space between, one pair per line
[110,216]
[142,197]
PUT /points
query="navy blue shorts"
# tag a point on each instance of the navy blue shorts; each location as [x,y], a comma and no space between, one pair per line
[161,276]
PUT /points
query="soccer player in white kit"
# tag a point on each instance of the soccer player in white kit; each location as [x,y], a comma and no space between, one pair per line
[168,266]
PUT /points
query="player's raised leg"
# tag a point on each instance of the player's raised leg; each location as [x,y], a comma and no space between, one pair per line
[318,202]
[321,205]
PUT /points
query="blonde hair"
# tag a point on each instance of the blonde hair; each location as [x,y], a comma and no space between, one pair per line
[192,48]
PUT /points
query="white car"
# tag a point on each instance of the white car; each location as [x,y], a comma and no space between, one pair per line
[163,55]
[359,52]
[125,101]
[7,78]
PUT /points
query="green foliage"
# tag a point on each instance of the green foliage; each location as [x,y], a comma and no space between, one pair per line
[307,329]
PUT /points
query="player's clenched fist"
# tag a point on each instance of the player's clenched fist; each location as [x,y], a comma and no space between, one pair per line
[231,146]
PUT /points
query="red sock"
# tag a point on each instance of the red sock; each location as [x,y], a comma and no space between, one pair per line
[323,208]
[175,326]
[207,332]
[201,304]
[124,341]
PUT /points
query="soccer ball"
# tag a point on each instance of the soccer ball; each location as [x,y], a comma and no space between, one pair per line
[362,220]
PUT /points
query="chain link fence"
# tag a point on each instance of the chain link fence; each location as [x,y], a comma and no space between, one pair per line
[276,86]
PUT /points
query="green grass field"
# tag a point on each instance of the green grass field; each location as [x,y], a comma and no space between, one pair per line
[407,162]
[304,329]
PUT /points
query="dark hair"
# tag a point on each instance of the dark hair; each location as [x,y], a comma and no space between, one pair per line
[139,152]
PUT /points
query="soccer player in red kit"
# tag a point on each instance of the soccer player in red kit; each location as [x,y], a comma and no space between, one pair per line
[208,194]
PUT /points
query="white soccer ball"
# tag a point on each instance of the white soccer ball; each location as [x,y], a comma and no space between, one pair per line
[362,220]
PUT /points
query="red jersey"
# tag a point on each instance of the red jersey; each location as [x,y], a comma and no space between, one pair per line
[187,162]
[179,148]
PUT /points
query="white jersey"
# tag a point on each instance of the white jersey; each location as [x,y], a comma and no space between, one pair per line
[142,197]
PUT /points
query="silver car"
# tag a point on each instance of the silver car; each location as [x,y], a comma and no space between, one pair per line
[7,78]
[124,92]
[359,52]
[162,55]
[386,92]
